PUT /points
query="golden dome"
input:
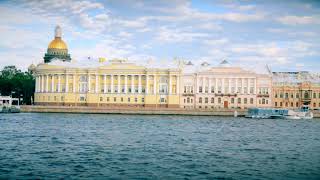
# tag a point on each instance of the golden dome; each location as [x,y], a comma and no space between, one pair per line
[57,43]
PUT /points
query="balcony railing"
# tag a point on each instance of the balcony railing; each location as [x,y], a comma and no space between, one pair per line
[226,94]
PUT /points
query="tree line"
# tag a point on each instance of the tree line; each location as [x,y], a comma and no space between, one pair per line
[18,84]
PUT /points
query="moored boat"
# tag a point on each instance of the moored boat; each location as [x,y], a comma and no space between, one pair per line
[9,104]
[273,113]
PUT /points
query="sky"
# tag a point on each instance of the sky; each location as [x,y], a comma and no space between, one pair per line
[284,35]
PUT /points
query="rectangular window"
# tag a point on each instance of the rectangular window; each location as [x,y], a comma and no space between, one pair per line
[101,99]
[251,100]
[108,99]
[212,89]
[128,99]
[206,100]
[135,99]
[82,98]
[114,99]
[232,100]
[122,99]
[239,100]
[200,89]
[142,99]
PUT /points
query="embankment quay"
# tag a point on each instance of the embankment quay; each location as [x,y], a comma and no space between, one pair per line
[137,110]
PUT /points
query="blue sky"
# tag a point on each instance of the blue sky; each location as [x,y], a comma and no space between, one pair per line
[283,34]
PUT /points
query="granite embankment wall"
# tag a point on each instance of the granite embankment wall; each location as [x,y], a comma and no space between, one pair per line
[122,110]
[132,110]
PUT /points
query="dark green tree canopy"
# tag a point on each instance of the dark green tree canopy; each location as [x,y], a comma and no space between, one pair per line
[17,83]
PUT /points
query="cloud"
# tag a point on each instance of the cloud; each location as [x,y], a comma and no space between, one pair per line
[174,35]
[299,20]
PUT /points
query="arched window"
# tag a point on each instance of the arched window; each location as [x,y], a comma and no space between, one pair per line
[263,101]
[212,100]
[206,100]
[188,100]
[219,100]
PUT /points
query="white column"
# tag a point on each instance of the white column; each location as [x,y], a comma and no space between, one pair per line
[59,82]
[97,83]
[255,86]
[37,83]
[236,79]
[229,85]
[105,83]
[132,84]
[74,83]
[222,84]
[216,85]
[89,83]
[112,90]
[178,84]
[242,86]
[52,83]
[67,83]
[119,79]
[125,84]
[203,84]
[147,84]
[209,87]
[139,84]
[42,83]
[47,83]
[197,84]
[248,85]
[170,84]
[154,84]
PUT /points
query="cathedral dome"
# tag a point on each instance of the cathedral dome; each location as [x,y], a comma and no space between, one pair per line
[57,43]
[57,48]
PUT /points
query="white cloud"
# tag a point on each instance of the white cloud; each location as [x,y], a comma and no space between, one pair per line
[216,42]
[177,35]
[299,20]
[124,34]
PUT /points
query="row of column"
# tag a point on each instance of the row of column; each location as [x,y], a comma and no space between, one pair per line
[223,85]
[42,83]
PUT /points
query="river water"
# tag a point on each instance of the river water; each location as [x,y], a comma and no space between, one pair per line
[73,146]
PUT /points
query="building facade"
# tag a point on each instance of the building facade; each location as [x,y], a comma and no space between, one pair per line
[224,86]
[115,83]
[295,89]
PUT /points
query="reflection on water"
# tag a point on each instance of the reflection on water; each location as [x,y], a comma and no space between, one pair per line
[157,147]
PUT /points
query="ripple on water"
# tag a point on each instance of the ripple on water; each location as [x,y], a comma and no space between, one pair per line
[59,146]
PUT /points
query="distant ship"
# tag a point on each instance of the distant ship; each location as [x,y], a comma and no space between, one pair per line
[273,113]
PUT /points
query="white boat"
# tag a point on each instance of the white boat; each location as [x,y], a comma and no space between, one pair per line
[303,113]
[273,113]
[9,104]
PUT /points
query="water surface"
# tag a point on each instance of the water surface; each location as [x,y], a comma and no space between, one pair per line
[95,146]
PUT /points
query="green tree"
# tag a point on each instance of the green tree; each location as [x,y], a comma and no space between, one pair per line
[17,83]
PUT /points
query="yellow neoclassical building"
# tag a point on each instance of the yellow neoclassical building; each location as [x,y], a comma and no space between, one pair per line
[105,83]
